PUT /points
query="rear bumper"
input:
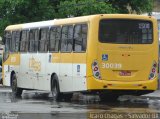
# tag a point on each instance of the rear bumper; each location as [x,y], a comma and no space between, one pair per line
[95,84]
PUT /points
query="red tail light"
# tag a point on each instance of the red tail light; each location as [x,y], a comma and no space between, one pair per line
[153,71]
[95,69]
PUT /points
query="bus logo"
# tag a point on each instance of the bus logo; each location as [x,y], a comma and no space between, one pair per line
[34,64]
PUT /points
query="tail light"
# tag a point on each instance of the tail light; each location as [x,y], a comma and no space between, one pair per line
[95,70]
[153,71]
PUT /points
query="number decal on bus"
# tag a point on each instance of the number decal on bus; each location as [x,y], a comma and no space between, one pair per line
[111,65]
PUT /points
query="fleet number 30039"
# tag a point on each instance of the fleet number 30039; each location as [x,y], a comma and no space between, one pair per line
[112,65]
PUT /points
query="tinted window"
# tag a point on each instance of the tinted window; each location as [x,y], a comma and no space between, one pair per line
[64,39]
[44,37]
[55,35]
[67,38]
[8,37]
[33,39]
[15,42]
[80,37]
[84,36]
[24,41]
[123,31]
[70,38]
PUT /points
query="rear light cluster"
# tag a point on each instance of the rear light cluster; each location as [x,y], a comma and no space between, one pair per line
[95,70]
[153,71]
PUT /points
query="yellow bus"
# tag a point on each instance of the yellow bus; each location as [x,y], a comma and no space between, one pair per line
[104,54]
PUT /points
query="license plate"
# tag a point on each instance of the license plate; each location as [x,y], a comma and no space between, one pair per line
[125,73]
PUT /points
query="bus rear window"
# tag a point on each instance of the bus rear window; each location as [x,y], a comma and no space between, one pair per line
[125,31]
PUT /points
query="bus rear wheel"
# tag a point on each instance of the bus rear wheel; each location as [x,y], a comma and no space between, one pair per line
[17,92]
[55,88]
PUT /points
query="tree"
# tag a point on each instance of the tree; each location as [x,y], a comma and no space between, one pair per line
[132,6]
[84,7]
[22,11]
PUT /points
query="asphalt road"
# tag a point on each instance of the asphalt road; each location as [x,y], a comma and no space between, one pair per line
[40,105]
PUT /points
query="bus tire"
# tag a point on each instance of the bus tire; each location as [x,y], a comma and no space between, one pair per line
[17,92]
[55,88]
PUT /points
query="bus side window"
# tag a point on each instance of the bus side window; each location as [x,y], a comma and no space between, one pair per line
[70,39]
[64,38]
[8,37]
[24,41]
[55,36]
[33,39]
[15,42]
[44,37]
[84,36]
[80,37]
[67,38]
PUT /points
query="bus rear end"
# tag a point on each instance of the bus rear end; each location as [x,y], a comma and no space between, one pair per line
[127,54]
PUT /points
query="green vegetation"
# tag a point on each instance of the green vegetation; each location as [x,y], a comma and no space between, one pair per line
[22,11]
